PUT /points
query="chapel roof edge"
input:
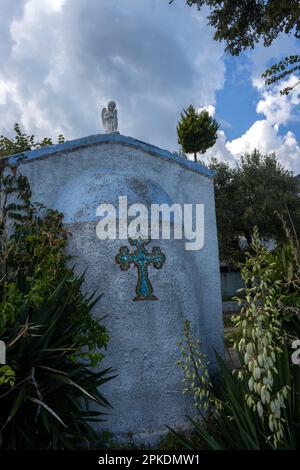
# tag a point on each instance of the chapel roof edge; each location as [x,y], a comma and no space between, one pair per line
[98,139]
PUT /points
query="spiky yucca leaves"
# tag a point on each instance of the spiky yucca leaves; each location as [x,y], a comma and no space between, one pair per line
[287,270]
[232,424]
[48,405]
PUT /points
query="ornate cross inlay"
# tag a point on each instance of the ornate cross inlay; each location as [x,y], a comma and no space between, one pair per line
[142,259]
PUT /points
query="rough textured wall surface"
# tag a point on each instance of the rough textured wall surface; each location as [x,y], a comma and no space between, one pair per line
[75,177]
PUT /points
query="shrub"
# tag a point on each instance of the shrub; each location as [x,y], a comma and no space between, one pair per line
[52,339]
[257,406]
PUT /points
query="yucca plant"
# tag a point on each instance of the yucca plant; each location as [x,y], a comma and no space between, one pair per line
[258,405]
[287,269]
[234,425]
[48,405]
[225,420]
[47,386]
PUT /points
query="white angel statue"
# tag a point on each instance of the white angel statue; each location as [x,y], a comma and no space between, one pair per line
[109,118]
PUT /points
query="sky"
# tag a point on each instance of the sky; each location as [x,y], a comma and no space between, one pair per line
[61,61]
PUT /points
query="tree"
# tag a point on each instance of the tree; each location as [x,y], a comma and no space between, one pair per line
[256,193]
[196,131]
[23,142]
[243,24]
[282,69]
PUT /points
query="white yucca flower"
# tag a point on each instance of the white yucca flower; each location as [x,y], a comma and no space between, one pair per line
[256,373]
[251,383]
[260,409]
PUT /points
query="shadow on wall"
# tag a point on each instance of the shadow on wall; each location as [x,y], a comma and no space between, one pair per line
[231,281]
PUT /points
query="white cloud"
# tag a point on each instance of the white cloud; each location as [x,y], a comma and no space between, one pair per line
[4,87]
[61,60]
[264,134]
[221,151]
[277,110]
[56,5]
[66,59]
[276,107]
[265,137]
[209,108]
[260,135]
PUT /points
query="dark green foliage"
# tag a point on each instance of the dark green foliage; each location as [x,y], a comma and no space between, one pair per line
[242,24]
[47,325]
[237,426]
[196,131]
[285,67]
[253,194]
[258,405]
[48,405]
[286,260]
[23,142]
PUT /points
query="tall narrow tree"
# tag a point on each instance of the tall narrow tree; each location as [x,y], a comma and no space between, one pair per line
[196,131]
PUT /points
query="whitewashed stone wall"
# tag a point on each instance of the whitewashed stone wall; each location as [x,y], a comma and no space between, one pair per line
[75,177]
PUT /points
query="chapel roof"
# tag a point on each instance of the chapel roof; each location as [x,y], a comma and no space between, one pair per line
[100,139]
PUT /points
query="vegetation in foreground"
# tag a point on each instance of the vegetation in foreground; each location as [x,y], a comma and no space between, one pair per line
[258,405]
[47,386]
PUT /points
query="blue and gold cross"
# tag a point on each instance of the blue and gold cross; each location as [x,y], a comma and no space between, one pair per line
[141,259]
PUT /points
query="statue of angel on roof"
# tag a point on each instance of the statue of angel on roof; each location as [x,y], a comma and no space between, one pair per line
[109,118]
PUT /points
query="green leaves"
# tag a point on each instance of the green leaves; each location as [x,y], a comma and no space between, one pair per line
[257,192]
[23,142]
[7,375]
[281,70]
[256,406]
[237,426]
[243,24]
[52,337]
[196,131]
[51,388]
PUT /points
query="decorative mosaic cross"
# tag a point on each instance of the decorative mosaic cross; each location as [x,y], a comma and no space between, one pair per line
[141,259]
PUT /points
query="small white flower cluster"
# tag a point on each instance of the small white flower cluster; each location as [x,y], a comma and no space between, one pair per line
[261,341]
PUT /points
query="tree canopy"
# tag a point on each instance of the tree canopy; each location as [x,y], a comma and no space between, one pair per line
[196,131]
[23,142]
[258,192]
[242,24]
